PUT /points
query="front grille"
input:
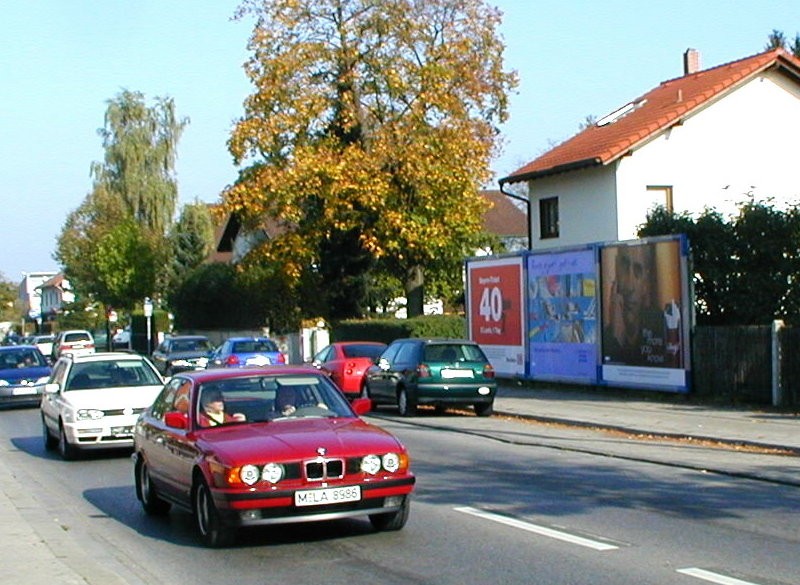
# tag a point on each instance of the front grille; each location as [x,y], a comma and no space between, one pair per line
[121,411]
[324,469]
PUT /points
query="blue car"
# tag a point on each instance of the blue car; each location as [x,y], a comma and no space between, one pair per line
[240,352]
[23,373]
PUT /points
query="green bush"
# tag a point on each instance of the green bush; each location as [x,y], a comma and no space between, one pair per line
[387,330]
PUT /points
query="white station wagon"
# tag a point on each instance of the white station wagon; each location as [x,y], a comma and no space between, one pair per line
[93,401]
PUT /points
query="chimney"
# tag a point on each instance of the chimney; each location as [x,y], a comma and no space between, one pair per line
[691,61]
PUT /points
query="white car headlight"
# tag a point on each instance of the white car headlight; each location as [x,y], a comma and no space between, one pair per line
[89,414]
[4,383]
[391,462]
[42,380]
[249,474]
[272,473]
[371,464]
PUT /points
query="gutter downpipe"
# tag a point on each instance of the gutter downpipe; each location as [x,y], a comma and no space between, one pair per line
[527,202]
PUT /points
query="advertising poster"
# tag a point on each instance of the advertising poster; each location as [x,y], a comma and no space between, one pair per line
[494,311]
[644,298]
[562,315]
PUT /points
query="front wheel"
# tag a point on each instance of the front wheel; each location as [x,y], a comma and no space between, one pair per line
[50,441]
[405,405]
[212,532]
[67,450]
[393,520]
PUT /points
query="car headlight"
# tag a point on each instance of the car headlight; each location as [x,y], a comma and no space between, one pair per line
[4,383]
[371,464]
[391,462]
[180,363]
[249,474]
[89,414]
[272,473]
[43,380]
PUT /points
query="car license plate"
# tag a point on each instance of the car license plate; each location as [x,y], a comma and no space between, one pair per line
[24,390]
[449,374]
[259,360]
[327,496]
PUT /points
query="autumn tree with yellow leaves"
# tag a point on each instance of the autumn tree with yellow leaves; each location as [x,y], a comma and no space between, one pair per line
[369,132]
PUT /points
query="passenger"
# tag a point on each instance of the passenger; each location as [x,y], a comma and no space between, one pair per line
[285,401]
[213,412]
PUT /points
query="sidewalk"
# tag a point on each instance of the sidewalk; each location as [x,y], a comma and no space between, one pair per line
[669,417]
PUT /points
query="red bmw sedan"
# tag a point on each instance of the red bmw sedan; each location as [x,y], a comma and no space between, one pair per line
[264,446]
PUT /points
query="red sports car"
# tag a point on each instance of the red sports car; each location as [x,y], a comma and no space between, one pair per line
[261,446]
[346,362]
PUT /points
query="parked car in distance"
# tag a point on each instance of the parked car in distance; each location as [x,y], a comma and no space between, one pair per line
[44,343]
[73,341]
[23,373]
[182,352]
[346,362]
[239,352]
[290,448]
[93,401]
[440,372]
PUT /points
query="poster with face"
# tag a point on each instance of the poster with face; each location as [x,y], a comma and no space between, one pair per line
[643,311]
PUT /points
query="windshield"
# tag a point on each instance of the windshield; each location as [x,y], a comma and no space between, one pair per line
[21,358]
[265,398]
[111,374]
[191,345]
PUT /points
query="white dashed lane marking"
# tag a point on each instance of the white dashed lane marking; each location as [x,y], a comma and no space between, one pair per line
[541,530]
[714,577]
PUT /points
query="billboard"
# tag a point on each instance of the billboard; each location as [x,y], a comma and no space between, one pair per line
[645,314]
[562,315]
[494,311]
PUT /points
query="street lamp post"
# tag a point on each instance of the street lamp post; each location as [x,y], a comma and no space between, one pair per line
[148,313]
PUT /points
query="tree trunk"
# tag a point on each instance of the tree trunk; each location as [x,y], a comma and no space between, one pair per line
[414,291]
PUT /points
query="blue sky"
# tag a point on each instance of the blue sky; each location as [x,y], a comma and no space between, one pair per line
[62,60]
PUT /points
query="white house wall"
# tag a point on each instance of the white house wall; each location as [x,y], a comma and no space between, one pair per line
[740,144]
[586,207]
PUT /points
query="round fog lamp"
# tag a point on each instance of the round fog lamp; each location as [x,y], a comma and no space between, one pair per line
[484,391]
[249,474]
[371,464]
[272,473]
[391,462]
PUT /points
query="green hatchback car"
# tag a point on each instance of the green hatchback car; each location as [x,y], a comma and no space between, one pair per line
[439,372]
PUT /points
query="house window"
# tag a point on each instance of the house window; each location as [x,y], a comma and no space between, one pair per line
[548,217]
[662,195]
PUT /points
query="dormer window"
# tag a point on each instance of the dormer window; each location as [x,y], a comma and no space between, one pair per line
[617,114]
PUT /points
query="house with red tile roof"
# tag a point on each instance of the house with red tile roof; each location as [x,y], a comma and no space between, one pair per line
[504,219]
[710,138]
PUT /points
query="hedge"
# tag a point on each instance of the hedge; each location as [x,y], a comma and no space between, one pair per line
[387,330]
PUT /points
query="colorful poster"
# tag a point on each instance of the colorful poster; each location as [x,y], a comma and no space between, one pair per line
[644,298]
[494,311]
[562,315]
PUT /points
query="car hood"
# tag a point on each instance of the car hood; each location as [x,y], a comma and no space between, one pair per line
[17,375]
[296,439]
[112,398]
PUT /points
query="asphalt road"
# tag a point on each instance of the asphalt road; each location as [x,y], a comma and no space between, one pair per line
[497,501]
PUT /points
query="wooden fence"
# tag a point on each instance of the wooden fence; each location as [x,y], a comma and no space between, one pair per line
[734,364]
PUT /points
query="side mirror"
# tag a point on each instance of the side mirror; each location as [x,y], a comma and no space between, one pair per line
[176,420]
[361,406]
[52,388]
